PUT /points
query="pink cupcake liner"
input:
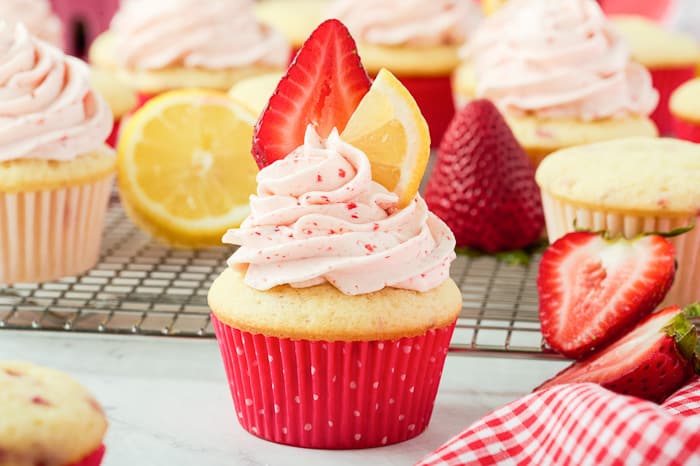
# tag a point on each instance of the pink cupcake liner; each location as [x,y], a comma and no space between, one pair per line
[333,395]
[683,129]
[434,97]
[666,80]
[93,459]
[46,235]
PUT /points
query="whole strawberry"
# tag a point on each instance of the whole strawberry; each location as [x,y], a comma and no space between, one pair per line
[483,184]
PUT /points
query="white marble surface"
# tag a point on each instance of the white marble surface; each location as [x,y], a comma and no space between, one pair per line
[168,403]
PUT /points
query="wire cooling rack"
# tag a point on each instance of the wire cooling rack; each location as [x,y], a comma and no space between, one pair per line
[142,287]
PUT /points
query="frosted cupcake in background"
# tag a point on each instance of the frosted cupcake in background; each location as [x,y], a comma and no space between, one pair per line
[295,19]
[47,418]
[560,73]
[158,46]
[56,173]
[685,110]
[418,41]
[37,16]
[671,58]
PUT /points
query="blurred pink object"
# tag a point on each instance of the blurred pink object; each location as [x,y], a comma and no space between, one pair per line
[658,10]
[83,20]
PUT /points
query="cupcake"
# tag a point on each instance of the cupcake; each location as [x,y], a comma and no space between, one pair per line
[686,111]
[629,187]
[559,73]
[671,58]
[295,19]
[56,174]
[120,96]
[160,46]
[47,419]
[37,16]
[418,41]
[335,313]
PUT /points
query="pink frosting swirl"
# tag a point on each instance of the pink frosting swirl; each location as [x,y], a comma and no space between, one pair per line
[195,34]
[36,15]
[318,217]
[47,108]
[408,22]
[558,58]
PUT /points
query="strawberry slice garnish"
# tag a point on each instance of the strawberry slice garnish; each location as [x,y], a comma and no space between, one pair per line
[322,87]
[592,289]
[652,361]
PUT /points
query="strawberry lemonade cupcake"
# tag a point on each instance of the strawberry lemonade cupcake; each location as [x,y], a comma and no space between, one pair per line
[416,40]
[37,16]
[335,313]
[55,172]
[159,46]
[560,73]
[47,419]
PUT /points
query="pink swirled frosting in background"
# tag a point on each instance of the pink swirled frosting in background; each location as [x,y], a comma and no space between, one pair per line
[408,22]
[48,109]
[156,34]
[36,15]
[558,58]
[318,217]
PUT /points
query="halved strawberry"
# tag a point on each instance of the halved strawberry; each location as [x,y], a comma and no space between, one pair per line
[651,362]
[592,289]
[323,86]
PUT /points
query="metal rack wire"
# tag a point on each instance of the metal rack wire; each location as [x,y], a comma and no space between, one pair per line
[142,287]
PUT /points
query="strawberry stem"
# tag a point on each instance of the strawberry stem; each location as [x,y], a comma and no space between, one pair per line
[683,331]
[664,234]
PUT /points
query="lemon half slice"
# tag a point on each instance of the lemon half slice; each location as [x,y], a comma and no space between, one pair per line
[185,169]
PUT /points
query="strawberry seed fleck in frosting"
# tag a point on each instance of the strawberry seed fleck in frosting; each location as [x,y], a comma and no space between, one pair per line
[340,227]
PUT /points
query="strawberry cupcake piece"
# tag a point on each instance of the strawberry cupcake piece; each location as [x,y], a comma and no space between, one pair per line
[47,419]
[416,40]
[336,311]
[37,16]
[560,73]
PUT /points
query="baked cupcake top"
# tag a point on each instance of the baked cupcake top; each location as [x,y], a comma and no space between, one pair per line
[319,217]
[36,15]
[642,175]
[214,35]
[685,101]
[48,109]
[653,46]
[407,22]
[47,417]
[558,58]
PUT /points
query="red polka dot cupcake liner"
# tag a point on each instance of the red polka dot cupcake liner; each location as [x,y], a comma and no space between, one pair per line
[434,97]
[93,459]
[333,395]
[666,80]
[687,130]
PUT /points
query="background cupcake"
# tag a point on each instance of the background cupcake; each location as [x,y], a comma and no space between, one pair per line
[416,40]
[55,172]
[560,73]
[629,187]
[685,111]
[159,46]
[671,58]
[37,16]
[295,19]
[47,418]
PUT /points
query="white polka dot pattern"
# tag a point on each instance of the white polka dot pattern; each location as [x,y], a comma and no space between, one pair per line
[333,394]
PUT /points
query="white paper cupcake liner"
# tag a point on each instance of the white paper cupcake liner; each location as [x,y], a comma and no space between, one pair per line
[561,216]
[46,235]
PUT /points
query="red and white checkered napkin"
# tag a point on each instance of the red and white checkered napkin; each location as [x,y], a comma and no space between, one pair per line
[581,424]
